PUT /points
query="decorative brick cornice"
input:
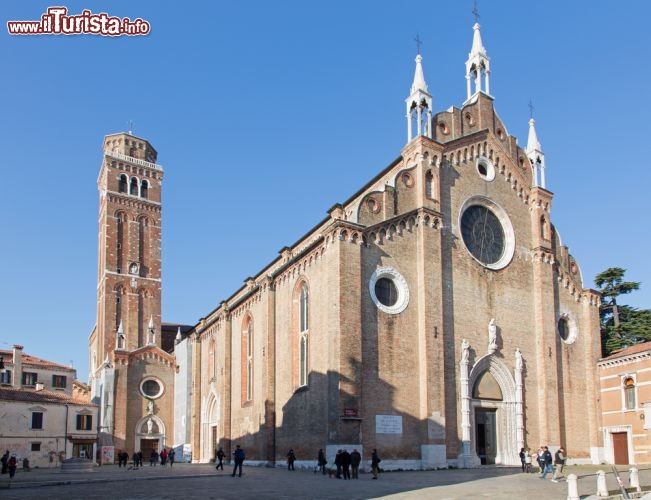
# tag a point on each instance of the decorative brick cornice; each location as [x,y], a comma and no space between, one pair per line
[625,360]
[129,201]
[387,229]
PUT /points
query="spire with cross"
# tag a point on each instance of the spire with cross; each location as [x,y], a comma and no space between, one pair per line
[530,108]
[418,43]
[475,11]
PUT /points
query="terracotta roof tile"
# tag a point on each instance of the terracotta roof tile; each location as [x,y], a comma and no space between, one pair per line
[634,349]
[29,360]
[42,396]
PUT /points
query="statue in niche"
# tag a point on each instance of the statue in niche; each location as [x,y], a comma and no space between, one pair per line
[150,407]
[150,425]
[465,351]
[519,362]
[492,336]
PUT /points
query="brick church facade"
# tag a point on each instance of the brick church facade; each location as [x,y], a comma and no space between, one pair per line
[434,315]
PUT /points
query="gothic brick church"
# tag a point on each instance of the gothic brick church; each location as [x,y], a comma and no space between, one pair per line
[434,315]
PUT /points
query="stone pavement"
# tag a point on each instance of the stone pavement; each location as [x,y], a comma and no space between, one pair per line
[187,481]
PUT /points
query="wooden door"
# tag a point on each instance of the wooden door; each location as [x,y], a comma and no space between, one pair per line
[620,447]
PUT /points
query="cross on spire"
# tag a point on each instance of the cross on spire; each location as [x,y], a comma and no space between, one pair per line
[530,108]
[418,43]
[130,127]
[475,12]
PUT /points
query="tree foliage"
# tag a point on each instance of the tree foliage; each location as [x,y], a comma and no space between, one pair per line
[621,325]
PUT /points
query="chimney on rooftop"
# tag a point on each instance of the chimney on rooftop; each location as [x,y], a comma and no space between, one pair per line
[17,379]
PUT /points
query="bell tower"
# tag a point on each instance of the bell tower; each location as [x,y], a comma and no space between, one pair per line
[128,288]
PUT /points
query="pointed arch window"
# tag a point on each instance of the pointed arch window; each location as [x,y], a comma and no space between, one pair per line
[144,189]
[211,359]
[429,185]
[118,307]
[143,232]
[247,360]
[303,340]
[120,242]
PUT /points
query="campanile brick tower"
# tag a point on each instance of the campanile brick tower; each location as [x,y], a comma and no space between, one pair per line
[131,376]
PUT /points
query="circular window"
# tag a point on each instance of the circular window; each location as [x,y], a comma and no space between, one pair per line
[386,292]
[373,205]
[487,232]
[563,328]
[567,329]
[389,290]
[407,180]
[485,169]
[151,388]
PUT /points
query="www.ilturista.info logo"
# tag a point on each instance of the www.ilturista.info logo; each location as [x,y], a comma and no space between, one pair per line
[56,21]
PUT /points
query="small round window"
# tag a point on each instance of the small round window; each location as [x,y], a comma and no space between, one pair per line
[389,290]
[485,169]
[386,292]
[563,328]
[151,388]
[567,328]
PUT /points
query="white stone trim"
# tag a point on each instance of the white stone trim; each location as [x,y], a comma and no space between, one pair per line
[158,381]
[490,168]
[609,450]
[572,326]
[401,286]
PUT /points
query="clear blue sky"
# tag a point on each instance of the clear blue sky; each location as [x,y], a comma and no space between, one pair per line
[265,114]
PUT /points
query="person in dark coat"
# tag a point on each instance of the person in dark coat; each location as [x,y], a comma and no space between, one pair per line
[338,463]
[355,460]
[321,461]
[5,462]
[220,459]
[170,456]
[345,464]
[291,458]
[375,463]
[238,457]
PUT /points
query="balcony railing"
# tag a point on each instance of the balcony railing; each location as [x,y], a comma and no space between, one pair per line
[131,159]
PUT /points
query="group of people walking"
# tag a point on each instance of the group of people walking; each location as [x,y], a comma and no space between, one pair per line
[9,464]
[164,456]
[543,457]
[345,462]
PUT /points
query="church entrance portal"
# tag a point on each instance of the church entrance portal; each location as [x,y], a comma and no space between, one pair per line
[486,435]
[147,446]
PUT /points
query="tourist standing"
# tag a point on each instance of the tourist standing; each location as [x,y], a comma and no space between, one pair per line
[355,460]
[291,458]
[375,463]
[238,457]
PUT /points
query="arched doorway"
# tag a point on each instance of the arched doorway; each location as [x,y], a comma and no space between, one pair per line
[493,412]
[211,429]
[150,435]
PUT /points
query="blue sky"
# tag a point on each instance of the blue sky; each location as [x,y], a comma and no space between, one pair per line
[265,114]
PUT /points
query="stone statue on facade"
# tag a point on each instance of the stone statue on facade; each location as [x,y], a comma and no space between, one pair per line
[492,336]
[518,360]
[465,351]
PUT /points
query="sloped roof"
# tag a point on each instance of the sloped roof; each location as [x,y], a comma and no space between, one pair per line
[27,359]
[628,351]
[41,396]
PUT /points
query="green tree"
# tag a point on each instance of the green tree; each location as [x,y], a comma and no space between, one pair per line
[621,325]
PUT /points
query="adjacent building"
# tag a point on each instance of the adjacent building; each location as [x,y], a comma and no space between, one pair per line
[44,416]
[625,385]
